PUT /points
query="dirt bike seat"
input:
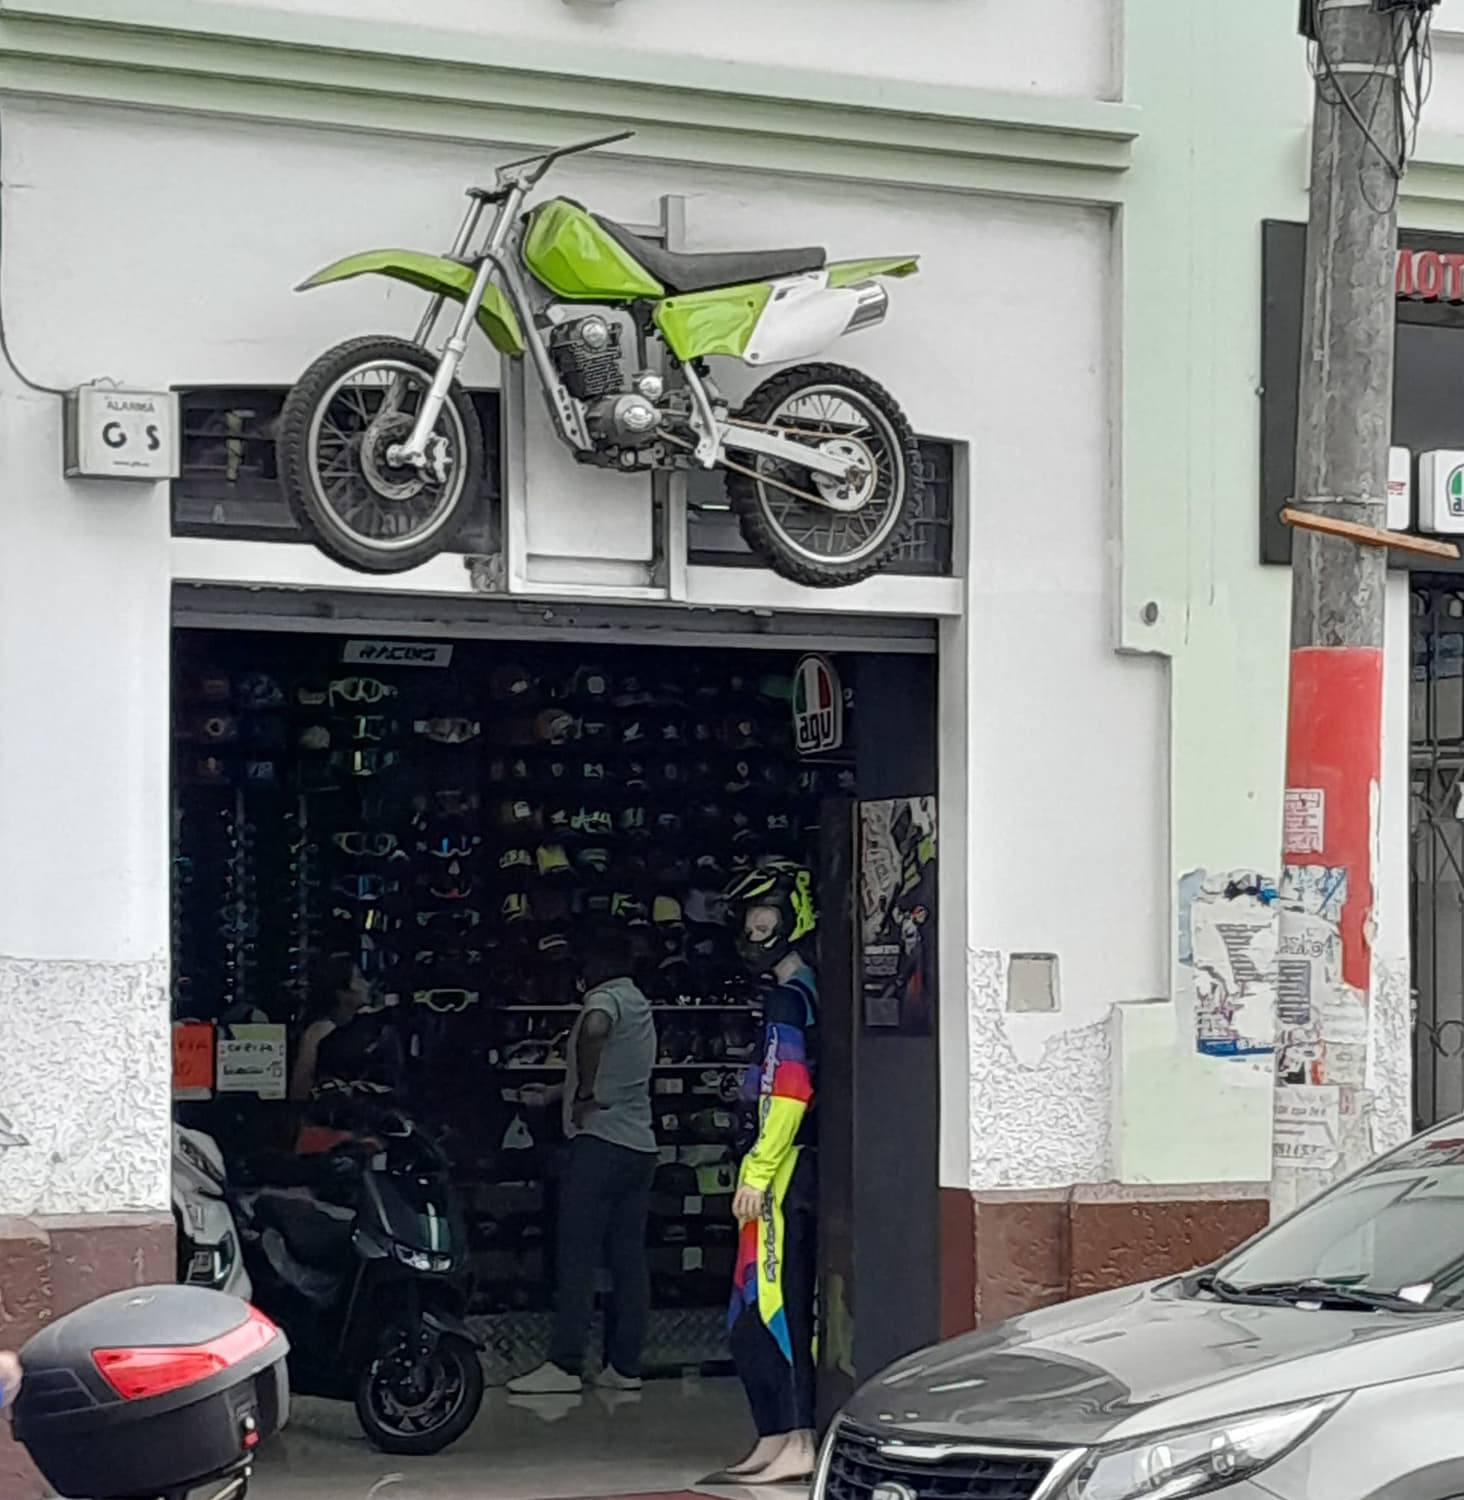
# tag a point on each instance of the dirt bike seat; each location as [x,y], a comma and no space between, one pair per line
[705,272]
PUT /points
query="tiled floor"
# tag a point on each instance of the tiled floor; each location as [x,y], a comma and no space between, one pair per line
[666,1440]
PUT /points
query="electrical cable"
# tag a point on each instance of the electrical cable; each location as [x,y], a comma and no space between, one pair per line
[5,354]
[1408,56]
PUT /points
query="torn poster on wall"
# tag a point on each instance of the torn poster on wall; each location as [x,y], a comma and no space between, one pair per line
[1252,995]
[1228,946]
[1321,1020]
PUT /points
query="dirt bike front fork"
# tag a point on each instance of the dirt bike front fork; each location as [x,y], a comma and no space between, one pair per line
[421,450]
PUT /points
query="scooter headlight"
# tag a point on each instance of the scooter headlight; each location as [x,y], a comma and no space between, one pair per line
[1196,1460]
[422,1260]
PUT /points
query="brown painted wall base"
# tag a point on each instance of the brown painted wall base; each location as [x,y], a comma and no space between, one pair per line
[49,1266]
[1004,1253]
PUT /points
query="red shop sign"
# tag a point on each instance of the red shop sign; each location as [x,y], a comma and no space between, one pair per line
[1430,276]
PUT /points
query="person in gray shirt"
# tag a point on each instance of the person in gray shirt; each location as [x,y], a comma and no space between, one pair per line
[605,1192]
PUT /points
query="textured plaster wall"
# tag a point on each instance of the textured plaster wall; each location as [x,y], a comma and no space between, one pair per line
[84,1068]
[1039,1116]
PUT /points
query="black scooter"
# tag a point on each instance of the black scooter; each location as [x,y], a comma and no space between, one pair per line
[361,1257]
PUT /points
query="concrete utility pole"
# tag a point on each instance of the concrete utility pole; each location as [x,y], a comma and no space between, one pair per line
[1334,720]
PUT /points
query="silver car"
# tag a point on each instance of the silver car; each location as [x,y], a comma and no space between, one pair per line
[1323,1360]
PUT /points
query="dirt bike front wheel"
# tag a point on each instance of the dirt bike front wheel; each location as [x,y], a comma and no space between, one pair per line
[843,531]
[337,433]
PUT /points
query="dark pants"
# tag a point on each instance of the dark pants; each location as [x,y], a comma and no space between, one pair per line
[603,1200]
[781,1394]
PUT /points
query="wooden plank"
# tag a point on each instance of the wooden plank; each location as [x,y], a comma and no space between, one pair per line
[1371,536]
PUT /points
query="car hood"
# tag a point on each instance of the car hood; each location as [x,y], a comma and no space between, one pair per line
[1145,1358]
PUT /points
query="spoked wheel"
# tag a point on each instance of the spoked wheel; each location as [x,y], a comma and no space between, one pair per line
[811,527]
[338,429]
[420,1406]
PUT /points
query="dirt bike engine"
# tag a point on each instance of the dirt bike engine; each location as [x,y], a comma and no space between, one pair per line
[587,355]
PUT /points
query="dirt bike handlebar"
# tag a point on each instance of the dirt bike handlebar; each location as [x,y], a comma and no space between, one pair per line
[545,160]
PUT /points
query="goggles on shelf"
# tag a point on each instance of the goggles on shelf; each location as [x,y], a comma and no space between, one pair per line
[454,919]
[359,690]
[448,731]
[368,727]
[365,887]
[432,958]
[448,847]
[446,1002]
[354,841]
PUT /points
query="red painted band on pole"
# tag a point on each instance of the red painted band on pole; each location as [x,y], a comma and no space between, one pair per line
[1334,749]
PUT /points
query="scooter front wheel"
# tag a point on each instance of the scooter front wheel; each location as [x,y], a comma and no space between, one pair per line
[422,1407]
[335,452]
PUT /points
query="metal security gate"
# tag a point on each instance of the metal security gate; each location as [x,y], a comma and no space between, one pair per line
[1436,823]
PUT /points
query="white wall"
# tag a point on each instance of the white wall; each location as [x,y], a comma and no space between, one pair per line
[1040,46]
[83,828]
[1003,343]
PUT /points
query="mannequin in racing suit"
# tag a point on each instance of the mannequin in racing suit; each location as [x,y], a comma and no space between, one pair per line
[771,1317]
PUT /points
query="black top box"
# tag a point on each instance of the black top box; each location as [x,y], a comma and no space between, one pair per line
[149,1393]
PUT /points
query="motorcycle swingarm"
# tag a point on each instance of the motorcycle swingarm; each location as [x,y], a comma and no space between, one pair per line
[747,439]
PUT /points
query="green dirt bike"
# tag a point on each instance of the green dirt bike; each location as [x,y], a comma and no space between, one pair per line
[380,451]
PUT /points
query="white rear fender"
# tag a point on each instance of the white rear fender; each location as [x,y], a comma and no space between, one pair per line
[804,315]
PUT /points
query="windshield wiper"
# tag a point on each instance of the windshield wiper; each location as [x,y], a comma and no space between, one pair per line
[1217,1286]
[1324,1293]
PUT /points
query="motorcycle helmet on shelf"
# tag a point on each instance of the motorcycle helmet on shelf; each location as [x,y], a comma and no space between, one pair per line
[740,732]
[633,692]
[589,684]
[555,726]
[784,889]
[672,775]
[514,685]
[518,815]
[209,686]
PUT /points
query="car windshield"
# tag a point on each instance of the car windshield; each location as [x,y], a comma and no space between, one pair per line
[1395,1230]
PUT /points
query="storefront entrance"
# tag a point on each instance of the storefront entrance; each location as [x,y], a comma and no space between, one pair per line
[455,820]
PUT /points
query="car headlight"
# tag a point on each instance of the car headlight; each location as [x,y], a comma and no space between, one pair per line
[1195,1460]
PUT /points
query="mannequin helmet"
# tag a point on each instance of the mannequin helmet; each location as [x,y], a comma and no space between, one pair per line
[785,887]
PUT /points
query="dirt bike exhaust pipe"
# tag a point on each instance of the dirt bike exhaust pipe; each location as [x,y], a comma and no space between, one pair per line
[870,309]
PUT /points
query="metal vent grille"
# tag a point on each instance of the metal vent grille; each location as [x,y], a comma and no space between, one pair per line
[714,540]
[228,486]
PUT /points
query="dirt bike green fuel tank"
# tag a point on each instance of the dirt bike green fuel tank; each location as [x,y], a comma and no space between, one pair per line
[569,252]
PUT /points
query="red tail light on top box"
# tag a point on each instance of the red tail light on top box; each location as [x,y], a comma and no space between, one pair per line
[151,1393]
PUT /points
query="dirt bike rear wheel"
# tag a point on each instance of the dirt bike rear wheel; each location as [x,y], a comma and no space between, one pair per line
[807,542]
[338,424]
